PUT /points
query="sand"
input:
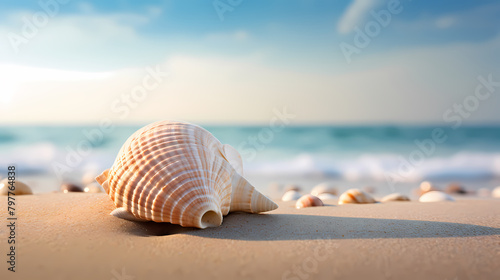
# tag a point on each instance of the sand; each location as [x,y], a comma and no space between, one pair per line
[72,236]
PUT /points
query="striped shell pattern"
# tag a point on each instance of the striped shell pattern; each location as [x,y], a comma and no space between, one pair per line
[181,174]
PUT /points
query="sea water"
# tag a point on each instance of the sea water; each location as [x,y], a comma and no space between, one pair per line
[391,158]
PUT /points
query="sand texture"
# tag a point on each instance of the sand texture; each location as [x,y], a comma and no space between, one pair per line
[72,236]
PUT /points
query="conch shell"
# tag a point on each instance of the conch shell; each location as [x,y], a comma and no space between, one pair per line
[181,174]
[355,196]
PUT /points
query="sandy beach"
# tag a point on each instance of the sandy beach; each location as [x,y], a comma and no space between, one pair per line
[72,236]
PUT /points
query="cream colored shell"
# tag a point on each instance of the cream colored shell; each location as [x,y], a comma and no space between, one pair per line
[496,192]
[355,196]
[435,196]
[308,200]
[395,197]
[20,188]
[179,173]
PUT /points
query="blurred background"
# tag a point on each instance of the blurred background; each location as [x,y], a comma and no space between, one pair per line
[357,93]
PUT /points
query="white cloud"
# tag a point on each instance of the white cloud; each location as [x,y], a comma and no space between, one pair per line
[415,85]
[355,14]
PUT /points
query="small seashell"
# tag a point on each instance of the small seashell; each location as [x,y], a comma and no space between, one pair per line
[484,192]
[395,197]
[496,192]
[327,196]
[291,195]
[455,188]
[308,201]
[292,187]
[181,174]
[355,196]
[435,196]
[93,188]
[20,188]
[324,188]
[68,187]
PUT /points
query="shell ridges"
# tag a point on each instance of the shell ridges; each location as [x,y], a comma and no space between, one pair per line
[179,173]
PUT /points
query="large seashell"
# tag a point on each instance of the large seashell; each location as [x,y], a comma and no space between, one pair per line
[324,188]
[20,188]
[496,192]
[355,196]
[435,196]
[395,197]
[308,201]
[291,195]
[179,173]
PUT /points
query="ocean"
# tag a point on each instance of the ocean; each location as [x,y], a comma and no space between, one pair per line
[390,158]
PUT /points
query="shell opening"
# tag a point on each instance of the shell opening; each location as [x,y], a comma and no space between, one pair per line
[211,219]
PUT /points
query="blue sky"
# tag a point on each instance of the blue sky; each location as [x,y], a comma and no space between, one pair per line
[262,55]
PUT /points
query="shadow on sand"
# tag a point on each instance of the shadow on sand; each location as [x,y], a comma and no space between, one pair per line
[243,226]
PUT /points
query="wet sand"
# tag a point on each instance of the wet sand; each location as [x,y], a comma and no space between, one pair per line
[72,236]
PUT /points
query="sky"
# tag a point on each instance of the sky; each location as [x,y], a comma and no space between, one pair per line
[245,62]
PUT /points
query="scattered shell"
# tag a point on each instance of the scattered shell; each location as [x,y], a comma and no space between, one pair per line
[496,192]
[181,174]
[327,196]
[435,196]
[291,195]
[455,188]
[370,189]
[308,201]
[355,196]
[324,188]
[93,188]
[68,187]
[484,192]
[292,187]
[395,197]
[20,188]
